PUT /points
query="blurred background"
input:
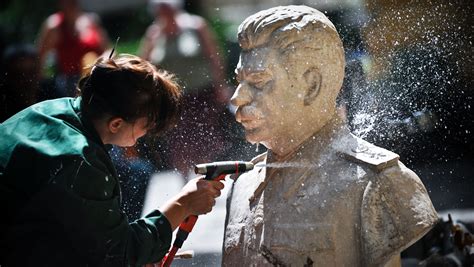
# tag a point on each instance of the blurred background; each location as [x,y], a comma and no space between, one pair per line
[408,88]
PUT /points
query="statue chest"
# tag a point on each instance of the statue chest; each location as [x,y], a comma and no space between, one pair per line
[303,216]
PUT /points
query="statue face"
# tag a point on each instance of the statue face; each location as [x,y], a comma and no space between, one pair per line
[268,102]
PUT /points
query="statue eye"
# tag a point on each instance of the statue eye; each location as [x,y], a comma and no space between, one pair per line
[260,84]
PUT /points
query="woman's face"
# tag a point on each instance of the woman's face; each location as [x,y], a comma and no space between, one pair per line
[129,132]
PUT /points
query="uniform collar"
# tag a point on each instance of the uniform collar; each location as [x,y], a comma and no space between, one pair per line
[316,144]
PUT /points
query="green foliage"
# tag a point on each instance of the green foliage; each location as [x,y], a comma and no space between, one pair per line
[20,20]
[130,25]
[128,46]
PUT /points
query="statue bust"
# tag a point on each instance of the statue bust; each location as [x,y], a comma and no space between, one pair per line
[319,195]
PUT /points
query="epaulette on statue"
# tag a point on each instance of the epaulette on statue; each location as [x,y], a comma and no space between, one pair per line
[360,151]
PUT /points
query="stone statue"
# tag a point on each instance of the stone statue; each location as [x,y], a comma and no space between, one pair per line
[320,195]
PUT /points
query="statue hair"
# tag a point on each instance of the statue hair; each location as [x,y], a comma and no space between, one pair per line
[298,28]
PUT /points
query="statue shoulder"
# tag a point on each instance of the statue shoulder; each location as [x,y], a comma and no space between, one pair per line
[360,151]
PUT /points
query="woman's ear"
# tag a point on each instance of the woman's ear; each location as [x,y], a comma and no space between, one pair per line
[313,80]
[115,124]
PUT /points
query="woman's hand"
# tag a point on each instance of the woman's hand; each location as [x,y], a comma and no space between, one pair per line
[197,197]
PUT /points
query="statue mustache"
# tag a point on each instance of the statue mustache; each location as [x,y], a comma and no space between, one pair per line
[249,112]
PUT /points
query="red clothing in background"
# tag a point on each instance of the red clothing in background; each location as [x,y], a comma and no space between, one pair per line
[72,46]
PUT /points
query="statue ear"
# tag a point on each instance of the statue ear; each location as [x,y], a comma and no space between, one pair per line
[313,79]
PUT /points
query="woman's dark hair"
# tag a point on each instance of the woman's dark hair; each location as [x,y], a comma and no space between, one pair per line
[130,88]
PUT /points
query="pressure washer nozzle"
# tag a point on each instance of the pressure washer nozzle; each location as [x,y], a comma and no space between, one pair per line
[214,169]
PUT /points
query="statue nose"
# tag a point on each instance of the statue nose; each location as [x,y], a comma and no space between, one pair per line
[242,95]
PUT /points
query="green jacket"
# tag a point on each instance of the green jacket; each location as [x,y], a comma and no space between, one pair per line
[60,196]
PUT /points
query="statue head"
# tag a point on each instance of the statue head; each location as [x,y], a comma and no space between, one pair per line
[290,71]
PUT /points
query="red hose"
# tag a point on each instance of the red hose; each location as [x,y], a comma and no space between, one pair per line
[184,229]
[169,258]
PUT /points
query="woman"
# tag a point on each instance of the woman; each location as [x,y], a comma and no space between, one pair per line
[76,39]
[59,191]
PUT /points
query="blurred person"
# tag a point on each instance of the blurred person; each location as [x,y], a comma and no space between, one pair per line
[184,44]
[134,170]
[59,191]
[19,86]
[76,38]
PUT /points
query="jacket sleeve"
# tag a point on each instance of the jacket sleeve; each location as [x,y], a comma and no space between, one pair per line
[98,221]
[396,212]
